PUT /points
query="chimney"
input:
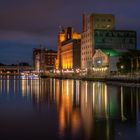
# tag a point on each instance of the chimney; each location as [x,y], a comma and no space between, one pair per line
[84,23]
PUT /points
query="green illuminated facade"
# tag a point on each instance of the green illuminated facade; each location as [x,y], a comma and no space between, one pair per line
[111,52]
[116,39]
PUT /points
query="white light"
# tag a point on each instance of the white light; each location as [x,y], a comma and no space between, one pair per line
[99,61]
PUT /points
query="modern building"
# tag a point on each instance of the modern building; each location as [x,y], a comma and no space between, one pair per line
[116,39]
[44,59]
[99,33]
[94,21]
[69,47]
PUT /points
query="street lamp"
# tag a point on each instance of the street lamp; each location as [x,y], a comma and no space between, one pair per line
[122,67]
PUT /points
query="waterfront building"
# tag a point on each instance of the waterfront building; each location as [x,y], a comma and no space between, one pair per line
[50,57]
[60,39]
[113,61]
[44,59]
[70,54]
[94,21]
[69,47]
[105,61]
[99,32]
[116,39]
[39,58]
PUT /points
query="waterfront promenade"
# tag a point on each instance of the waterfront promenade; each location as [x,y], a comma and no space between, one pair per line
[129,78]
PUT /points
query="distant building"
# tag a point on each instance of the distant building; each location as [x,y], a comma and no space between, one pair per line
[44,59]
[39,58]
[50,57]
[68,49]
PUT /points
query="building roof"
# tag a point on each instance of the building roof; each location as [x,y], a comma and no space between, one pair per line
[71,41]
[101,14]
[111,52]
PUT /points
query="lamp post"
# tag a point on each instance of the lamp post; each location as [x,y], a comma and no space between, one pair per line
[122,67]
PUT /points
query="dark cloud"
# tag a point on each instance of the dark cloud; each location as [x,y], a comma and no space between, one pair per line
[37,21]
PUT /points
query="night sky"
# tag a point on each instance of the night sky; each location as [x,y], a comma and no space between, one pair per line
[24,24]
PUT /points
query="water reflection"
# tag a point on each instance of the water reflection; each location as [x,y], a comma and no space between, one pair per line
[85,110]
[94,107]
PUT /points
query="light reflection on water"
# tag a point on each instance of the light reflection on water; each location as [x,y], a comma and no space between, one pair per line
[80,109]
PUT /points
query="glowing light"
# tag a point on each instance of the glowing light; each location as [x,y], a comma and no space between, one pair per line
[122,66]
[77,92]
[61,37]
[86,93]
[93,94]
[67,88]
[8,85]
[68,71]
[106,101]
[76,36]
[100,69]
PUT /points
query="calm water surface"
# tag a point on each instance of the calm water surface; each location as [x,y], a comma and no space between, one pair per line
[54,109]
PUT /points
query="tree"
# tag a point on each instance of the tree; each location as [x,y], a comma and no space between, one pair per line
[24,64]
[1,64]
[124,64]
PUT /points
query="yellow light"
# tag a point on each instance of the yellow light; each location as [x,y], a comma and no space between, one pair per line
[122,66]
[61,37]
[76,36]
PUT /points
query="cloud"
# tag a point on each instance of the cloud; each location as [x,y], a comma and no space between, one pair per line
[31,22]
